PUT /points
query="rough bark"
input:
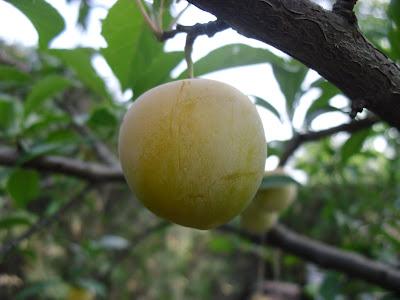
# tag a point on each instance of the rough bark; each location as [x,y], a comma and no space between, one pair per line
[322,40]
[326,256]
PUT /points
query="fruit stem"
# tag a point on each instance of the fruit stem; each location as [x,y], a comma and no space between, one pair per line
[188,53]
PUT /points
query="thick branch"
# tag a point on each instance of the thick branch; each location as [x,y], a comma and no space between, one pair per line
[300,139]
[73,167]
[327,256]
[322,40]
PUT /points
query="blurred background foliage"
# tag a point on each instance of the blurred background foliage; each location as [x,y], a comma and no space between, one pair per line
[53,102]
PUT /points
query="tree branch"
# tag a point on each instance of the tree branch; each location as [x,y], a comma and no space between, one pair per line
[101,150]
[43,222]
[209,29]
[317,252]
[300,139]
[326,256]
[322,40]
[69,166]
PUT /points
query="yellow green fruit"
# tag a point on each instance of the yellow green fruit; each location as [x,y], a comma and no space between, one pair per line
[193,151]
[276,199]
[256,219]
[80,294]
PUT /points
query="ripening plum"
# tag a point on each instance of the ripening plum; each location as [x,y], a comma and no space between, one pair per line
[193,151]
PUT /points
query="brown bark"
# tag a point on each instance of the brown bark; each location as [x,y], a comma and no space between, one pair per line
[324,41]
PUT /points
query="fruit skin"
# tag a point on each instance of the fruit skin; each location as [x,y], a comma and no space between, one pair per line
[257,222]
[276,199]
[193,151]
[263,212]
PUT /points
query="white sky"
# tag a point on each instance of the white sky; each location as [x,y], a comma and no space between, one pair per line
[257,80]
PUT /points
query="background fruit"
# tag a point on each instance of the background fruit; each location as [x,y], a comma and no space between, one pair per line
[193,151]
[263,212]
[257,222]
[277,198]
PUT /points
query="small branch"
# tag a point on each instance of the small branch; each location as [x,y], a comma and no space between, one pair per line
[345,9]
[300,139]
[93,172]
[43,222]
[101,150]
[176,19]
[153,27]
[209,29]
[326,256]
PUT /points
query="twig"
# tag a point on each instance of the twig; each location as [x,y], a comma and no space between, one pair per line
[93,172]
[326,256]
[209,29]
[101,150]
[44,222]
[300,139]
[154,28]
[178,16]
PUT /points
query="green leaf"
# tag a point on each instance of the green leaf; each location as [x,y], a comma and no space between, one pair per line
[394,11]
[43,90]
[271,181]
[44,17]
[7,113]
[290,76]
[353,145]
[321,104]
[102,117]
[158,72]
[80,61]
[8,73]
[83,17]
[16,219]
[221,244]
[39,150]
[45,121]
[131,45]
[268,106]
[23,186]
[393,36]
[235,55]
[312,115]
